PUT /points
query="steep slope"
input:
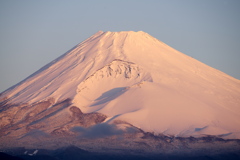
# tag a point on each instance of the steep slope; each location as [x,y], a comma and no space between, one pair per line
[126,76]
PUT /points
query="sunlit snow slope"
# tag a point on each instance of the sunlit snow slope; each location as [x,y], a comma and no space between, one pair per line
[132,76]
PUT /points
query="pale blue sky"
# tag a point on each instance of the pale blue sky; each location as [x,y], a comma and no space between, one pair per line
[33,33]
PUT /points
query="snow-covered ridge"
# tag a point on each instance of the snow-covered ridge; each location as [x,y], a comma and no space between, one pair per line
[118,67]
[112,78]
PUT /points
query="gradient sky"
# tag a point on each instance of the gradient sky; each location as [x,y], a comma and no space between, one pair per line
[33,33]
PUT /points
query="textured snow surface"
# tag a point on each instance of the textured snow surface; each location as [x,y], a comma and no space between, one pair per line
[132,76]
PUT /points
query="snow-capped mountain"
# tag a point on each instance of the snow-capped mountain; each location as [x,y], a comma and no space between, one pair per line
[127,77]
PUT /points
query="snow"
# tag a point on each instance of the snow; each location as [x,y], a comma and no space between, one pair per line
[132,76]
[31,154]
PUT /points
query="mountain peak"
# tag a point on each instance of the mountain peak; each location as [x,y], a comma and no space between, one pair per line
[139,32]
[132,33]
[122,33]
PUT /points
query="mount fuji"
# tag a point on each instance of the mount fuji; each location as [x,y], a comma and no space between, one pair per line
[118,83]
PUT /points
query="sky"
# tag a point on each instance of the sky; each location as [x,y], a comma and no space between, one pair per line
[33,33]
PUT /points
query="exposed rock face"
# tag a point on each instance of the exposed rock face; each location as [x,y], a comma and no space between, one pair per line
[46,116]
[79,119]
[87,119]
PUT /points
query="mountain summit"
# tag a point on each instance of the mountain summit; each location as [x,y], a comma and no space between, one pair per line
[123,78]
